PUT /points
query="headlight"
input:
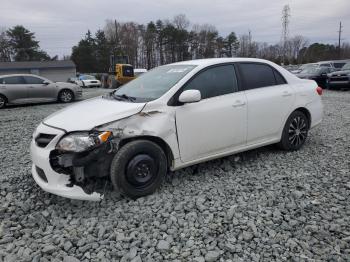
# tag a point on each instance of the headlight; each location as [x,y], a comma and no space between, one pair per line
[79,142]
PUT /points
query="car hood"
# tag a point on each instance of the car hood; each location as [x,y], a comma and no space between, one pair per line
[86,115]
[341,72]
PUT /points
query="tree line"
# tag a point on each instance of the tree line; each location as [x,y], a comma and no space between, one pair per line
[165,41]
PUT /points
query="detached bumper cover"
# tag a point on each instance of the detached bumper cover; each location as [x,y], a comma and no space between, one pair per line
[56,183]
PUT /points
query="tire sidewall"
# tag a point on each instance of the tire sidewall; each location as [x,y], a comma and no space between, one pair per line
[5,101]
[120,162]
[285,144]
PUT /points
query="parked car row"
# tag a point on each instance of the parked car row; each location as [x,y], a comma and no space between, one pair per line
[327,74]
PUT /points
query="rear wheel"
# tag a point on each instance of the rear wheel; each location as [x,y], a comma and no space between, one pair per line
[138,168]
[66,96]
[112,82]
[3,101]
[295,131]
[104,81]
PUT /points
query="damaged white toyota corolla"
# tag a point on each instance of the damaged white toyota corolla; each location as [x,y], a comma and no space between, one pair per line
[171,117]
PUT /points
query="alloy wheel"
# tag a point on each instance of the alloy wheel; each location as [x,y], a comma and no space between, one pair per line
[297,131]
[66,96]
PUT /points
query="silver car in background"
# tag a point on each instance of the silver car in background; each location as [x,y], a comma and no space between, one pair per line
[27,88]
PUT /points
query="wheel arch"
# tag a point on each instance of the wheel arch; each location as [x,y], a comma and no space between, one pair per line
[157,140]
[306,112]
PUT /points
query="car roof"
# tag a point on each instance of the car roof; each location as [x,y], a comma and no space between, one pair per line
[20,75]
[213,61]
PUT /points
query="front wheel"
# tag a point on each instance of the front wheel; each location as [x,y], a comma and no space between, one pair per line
[138,168]
[294,132]
[66,96]
[2,101]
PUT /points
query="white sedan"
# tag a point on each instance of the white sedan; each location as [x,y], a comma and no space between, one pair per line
[171,117]
[88,81]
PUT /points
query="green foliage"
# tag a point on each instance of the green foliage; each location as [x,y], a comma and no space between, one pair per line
[23,45]
[92,53]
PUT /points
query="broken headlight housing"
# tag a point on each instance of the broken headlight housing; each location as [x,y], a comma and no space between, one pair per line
[82,141]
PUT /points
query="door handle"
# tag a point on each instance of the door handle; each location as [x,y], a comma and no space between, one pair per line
[238,103]
[286,93]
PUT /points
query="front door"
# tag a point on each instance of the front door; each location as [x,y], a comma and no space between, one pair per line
[217,123]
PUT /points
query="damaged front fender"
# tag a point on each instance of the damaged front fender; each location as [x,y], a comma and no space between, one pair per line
[150,123]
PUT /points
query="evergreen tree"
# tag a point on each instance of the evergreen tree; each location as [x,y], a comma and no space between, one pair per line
[23,45]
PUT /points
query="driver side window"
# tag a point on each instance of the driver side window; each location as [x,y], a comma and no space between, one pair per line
[215,81]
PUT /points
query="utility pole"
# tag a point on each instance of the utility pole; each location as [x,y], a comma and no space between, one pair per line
[249,43]
[339,39]
[285,30]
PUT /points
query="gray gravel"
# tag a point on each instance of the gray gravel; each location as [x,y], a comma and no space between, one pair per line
[262,205]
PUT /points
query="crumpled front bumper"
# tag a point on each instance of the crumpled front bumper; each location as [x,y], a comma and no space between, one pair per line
[48,179]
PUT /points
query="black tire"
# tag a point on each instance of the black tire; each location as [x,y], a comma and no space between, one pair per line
[66,96]
[104,81]
[295,131]
[112,83]
[138,168]
[3,101]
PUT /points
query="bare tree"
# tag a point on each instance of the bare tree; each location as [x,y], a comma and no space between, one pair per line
[5,47]
[181,22]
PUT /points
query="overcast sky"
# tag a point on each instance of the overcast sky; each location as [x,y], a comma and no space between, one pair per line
[59,25]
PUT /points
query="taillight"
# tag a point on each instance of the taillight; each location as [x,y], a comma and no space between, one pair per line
[319,90]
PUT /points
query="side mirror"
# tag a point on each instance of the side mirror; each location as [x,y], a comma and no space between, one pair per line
[46,83]
[190,96]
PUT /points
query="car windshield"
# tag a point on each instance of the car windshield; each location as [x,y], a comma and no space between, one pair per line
[346,67]
[87,77]
[153,84]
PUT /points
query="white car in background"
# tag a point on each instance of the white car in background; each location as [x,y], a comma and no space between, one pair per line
[171,117]
[88,81]
[139,71]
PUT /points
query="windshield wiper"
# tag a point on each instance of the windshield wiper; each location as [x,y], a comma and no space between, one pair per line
[124,97]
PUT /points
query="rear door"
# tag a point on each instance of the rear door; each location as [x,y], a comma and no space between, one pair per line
[13,87]
[39,89]
[269,99]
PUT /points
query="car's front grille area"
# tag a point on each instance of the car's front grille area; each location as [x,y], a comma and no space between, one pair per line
[42,140]
[41,174]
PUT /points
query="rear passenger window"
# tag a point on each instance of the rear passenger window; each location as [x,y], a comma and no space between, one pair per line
[216,81]
[279,78]
[13,80]
[257,75]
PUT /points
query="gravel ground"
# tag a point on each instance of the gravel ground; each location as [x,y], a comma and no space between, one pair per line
[262,205]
